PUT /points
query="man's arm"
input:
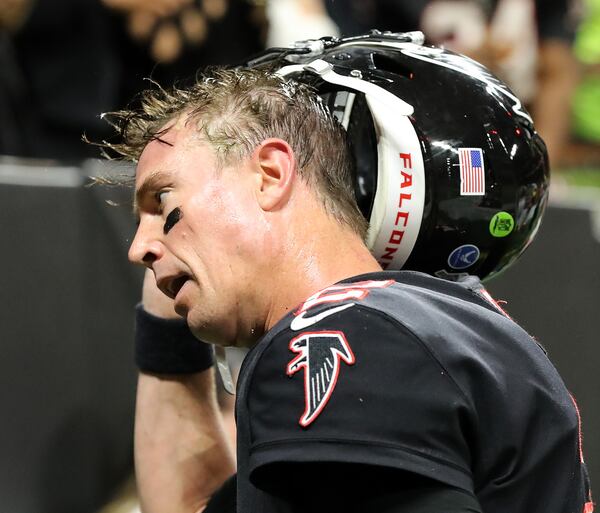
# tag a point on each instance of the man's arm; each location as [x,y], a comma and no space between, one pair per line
[182,454]
[558,75]
[558,78]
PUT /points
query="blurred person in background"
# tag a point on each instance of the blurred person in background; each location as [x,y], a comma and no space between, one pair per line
[310,20]
[60,66]
[527,43]
[12,111]
[169,44]
[586,102]
[66,61]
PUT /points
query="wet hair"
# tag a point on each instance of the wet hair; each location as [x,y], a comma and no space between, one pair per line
[235,109]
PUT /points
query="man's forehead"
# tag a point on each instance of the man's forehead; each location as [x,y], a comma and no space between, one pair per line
[169,144]
[158,147]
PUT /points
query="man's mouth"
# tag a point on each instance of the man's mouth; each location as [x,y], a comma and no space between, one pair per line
[177,283]
[171,287]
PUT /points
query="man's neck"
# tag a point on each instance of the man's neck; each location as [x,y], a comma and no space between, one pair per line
[328,255]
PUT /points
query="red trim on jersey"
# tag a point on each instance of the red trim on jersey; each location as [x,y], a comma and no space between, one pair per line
[486,295]
[337,293]
[588,507]
[579,434]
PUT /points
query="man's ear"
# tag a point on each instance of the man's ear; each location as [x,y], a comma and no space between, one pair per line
[275,172]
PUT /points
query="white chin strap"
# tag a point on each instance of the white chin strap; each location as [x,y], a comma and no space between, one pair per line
[400,196]
[224,369]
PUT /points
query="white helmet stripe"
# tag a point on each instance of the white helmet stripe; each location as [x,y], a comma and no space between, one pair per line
[326,72]
[399,200]
[400,196]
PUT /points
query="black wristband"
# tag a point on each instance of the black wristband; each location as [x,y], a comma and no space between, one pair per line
[167,346]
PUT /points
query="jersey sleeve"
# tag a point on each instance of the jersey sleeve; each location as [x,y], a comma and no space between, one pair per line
[357,387]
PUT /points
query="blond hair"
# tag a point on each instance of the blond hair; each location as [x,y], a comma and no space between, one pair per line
[234,110]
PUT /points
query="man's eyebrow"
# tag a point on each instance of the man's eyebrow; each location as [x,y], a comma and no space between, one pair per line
[153,183]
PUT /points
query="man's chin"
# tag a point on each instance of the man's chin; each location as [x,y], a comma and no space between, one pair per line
[208,335]
[218,334]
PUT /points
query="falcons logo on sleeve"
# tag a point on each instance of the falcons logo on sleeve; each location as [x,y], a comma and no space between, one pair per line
[319,354]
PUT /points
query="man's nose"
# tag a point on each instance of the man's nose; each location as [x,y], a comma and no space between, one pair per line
[144,249]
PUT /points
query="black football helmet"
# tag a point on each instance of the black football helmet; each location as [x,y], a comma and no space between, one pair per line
[451,173]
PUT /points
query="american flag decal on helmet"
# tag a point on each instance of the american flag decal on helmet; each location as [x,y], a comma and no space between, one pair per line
[472,176]
[319,354]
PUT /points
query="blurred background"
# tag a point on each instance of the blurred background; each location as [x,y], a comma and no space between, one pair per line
[67,290]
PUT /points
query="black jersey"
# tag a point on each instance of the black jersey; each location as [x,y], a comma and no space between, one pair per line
[413,374]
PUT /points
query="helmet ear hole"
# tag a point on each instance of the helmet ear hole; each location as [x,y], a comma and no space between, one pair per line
[363,145]
[362,140]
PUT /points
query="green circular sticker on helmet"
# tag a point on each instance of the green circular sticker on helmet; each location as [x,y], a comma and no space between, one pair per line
[502,224]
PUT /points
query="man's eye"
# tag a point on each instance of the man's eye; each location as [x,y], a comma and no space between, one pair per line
[161,198]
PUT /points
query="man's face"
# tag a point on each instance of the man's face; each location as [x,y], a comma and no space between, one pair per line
[200,233]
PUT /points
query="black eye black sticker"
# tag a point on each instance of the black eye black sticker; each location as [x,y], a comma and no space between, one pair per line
[172,219]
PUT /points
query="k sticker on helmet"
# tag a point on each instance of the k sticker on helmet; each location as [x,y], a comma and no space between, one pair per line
[464,256]
[319,354]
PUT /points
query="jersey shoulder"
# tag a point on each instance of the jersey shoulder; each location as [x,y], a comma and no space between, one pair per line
[408,373]
[342,380]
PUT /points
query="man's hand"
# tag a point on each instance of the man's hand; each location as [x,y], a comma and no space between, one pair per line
[158,7]
[182,454]
[13,13]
